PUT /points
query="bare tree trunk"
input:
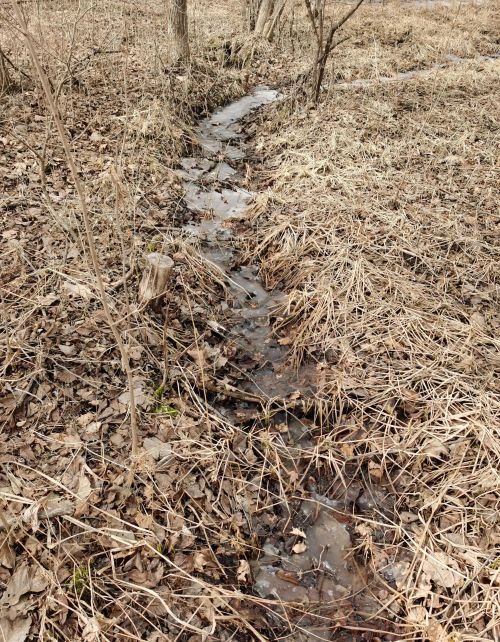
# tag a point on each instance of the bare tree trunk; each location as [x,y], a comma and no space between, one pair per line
[250,10]
[262,16]
[177,30]
[5,80]
[273,22]
[266,9]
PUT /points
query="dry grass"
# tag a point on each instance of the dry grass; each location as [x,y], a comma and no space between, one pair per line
[380,221]
[380,210]
[403,37]
[390,37]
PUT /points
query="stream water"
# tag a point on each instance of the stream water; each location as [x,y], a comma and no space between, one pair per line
[213,194]
[317,571]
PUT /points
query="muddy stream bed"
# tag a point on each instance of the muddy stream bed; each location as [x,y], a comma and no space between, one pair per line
[212,192]
[307,567]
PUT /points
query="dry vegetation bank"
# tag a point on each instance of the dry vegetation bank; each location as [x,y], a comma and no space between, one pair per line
[380,208]
[380,221]
[391,37]
[402,37]
[129,118]
[80,553]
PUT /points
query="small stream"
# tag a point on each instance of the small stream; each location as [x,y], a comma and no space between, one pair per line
[315,572]
[213,194]
[307,564]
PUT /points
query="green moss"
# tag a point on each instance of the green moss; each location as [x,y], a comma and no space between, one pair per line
[80,580]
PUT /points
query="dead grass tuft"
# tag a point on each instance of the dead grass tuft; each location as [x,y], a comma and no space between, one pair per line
[380,223]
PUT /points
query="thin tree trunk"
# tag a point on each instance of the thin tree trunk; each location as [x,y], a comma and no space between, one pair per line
[5,80]
[274,20]
[177,30]
[249,13]
[324,45]
[265,14]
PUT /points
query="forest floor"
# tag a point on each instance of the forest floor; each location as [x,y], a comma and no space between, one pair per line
[374,220]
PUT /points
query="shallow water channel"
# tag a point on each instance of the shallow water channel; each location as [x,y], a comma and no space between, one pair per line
[308,566]
[213,194]
[451,60]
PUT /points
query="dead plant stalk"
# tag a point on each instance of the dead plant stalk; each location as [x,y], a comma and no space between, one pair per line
[86,219]
[324,46]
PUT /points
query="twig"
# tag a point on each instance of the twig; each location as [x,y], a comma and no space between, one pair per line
[230,391]
[7,59]
[122,280]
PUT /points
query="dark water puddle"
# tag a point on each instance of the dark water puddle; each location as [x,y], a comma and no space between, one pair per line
[319,570]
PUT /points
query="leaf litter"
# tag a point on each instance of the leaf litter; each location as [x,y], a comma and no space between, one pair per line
[235,487]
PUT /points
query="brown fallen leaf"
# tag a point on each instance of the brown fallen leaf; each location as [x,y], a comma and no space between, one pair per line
[477,319]
[84,488]
[16,630]
[25,579]
[288,577]
[418,615]
[435,448]
[200,561]
[91,631]
[7,555]
[156,448]
[442,569]
[243,573]
[398,572]
[68,351]
[78,290]
[140,396]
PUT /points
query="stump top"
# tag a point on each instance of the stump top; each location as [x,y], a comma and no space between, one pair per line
[158,260]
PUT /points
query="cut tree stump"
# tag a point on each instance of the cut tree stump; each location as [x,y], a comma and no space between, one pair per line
[155,277]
